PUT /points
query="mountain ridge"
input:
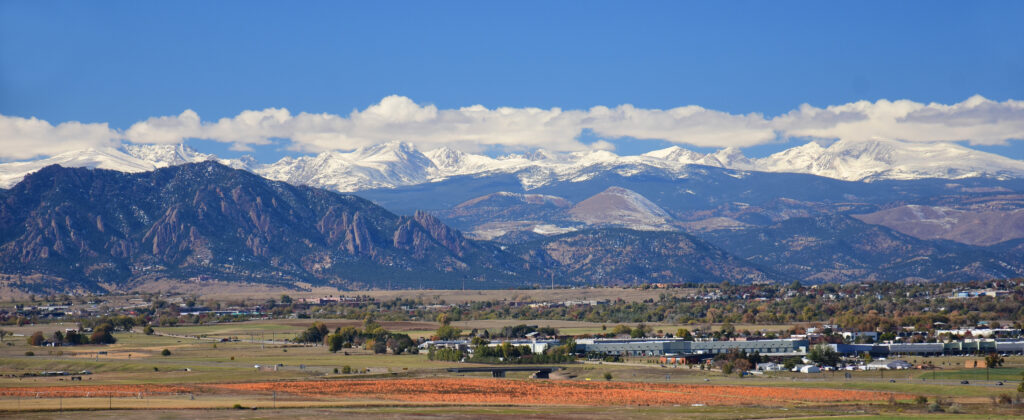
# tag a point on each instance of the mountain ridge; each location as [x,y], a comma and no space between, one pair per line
[394,164]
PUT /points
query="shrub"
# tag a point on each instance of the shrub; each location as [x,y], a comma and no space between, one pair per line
[934,407]
[607,376]
[921,400]
[335,371]
[346,369]
[1005,399]
[165,352]
[148,330]
[156,369]
[238,407]
[30,353]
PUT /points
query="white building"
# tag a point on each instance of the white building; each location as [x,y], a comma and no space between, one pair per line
[810,369]
[888,365]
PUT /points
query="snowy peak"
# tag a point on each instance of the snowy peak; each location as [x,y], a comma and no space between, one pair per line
[446,158]
[798,159]
[617,206]
[163,156]
[890,159]
[450,162]
[380,166]
[676,154]
[729,157]
[110,158]
[395,151]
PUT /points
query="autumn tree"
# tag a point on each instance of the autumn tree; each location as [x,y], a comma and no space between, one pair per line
[102,335]
[993,360]
[36,339]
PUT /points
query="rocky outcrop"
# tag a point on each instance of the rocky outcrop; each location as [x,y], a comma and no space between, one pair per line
[446,236]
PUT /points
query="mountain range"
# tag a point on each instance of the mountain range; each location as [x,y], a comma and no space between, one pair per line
[100,230]
[396,164]
[163,216]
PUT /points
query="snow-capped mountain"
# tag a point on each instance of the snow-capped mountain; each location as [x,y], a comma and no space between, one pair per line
[162,156]
[12,172]
[129,158]
[888,159]
[380,166]
[396,164]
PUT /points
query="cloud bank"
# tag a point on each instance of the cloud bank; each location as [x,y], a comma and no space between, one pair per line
[977,120]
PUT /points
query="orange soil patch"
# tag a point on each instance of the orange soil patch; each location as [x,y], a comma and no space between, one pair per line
[518,392]
[486,391]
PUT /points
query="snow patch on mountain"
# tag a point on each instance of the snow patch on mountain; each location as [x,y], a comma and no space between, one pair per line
[505,197]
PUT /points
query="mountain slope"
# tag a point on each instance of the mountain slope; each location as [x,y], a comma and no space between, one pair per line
[618,206]
[624,257]
[107,230]
[977,227]
[838,248]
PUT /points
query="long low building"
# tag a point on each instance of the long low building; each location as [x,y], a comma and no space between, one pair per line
[680,347]
[933,349]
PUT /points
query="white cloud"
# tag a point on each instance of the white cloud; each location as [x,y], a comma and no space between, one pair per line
[24,138]
[473,127]
[476,127]
[977,120]
[165,130]
[688,125]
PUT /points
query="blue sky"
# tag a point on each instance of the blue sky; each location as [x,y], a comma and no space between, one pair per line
[124,62]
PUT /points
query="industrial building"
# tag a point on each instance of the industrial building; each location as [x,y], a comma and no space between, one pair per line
[680,347]
[786,347]
[963,347]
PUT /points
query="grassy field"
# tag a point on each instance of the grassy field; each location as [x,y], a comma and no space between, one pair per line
[136,359]
[280,329]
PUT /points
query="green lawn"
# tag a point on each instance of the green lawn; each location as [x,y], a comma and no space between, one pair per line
[997,374]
